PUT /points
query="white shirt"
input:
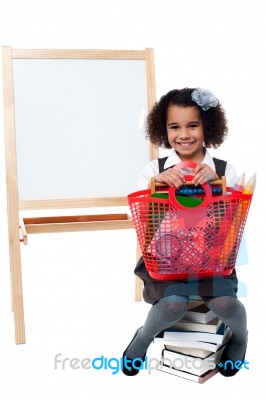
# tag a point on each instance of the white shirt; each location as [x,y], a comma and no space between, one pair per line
[152,169]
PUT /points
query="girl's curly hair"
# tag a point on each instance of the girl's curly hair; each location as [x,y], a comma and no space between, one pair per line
[214,120]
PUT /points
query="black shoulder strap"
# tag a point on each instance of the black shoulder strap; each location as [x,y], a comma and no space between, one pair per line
[220,165]
[161,162]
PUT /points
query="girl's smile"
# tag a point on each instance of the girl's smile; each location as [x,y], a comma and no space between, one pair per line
[185,132]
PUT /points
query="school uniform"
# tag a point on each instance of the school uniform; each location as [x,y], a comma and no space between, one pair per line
[152,169]
[154,290]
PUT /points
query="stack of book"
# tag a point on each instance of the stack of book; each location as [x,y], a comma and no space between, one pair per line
[194,345]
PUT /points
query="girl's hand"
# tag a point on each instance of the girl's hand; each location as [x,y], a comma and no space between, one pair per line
[203,173]
[171,177]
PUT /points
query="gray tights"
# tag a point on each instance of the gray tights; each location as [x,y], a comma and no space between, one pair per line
[171,309]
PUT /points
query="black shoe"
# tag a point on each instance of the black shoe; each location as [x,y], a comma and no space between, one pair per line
[227,367]
[127,367]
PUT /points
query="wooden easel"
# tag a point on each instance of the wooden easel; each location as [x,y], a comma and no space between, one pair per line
[20,228]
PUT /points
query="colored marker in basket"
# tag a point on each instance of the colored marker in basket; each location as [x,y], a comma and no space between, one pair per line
[250,185]
[240,183]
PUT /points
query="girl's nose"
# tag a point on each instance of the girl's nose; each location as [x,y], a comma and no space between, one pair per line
[184,134]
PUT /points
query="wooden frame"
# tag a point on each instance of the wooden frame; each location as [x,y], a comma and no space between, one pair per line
[221,182]
[59,223]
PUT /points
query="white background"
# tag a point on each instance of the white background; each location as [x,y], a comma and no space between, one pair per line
[78,288]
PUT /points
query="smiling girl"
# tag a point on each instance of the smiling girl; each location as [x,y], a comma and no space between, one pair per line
[189,121]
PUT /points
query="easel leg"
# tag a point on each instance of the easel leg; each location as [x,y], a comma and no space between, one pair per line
[138,289]
[11,289]
[12,196]
[19,321]
[17,299]
[138,281]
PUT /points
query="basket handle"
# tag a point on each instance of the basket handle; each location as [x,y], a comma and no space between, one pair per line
[206,186]
[206,199]
[185,164]
[190,164]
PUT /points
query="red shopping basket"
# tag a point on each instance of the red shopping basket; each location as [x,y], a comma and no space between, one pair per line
[179,241]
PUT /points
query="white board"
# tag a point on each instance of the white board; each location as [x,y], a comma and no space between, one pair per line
[79,127]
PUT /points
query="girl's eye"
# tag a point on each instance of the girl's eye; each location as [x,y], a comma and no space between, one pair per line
[193,126]
[175,127]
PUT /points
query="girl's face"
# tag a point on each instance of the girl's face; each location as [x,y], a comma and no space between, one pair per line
[185,132]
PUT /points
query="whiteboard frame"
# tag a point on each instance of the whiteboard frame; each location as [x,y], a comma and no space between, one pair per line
[14,205]
[146,55]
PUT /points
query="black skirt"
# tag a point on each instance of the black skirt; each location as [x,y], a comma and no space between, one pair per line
[215,286]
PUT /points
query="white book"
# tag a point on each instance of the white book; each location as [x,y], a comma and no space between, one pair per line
[212,326]
[200,314]
[182,335]
[190,351]
[193,344]
[194,303]
[185,375]
[194,365]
